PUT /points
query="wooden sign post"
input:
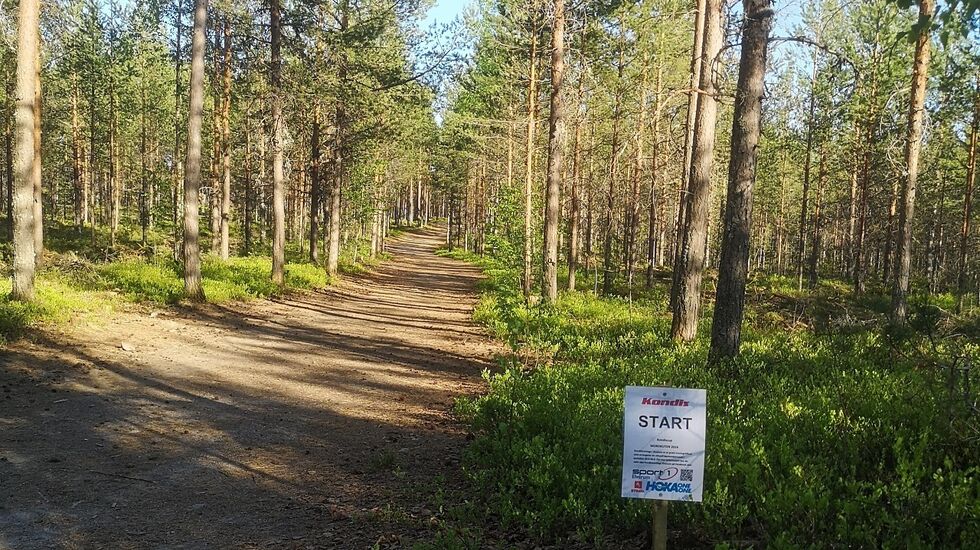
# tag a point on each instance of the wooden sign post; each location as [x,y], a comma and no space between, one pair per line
[659,539]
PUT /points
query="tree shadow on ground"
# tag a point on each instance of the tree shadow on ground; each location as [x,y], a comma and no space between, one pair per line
[311,422]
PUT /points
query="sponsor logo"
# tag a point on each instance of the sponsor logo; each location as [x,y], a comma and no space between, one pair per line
[664,402]
[664,487]
[659,475]
[637,486]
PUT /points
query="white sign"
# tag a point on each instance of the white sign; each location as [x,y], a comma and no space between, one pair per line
[663,443]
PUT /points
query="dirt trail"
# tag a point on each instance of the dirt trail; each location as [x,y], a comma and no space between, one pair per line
[316,421]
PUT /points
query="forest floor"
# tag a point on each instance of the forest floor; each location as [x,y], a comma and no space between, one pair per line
[317,420]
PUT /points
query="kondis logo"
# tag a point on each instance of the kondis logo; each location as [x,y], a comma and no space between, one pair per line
[656,402]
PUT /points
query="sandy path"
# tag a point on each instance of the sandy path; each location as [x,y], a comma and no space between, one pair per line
[314,422]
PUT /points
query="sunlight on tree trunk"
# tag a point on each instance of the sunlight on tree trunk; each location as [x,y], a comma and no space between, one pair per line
[726,328]
[556,134]
[26,162]
[532,96]
[278,178]
[192,166]
[692,260]
[903,256]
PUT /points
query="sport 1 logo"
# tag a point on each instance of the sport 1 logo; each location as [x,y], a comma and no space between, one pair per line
[658,475]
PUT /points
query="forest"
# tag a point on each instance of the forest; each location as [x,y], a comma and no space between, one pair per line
[773,200]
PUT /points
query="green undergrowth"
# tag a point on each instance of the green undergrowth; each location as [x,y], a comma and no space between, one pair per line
[161,281]
[82,275]
[58,301]
[841,436]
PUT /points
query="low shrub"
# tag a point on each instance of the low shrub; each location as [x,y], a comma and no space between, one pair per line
[813,439]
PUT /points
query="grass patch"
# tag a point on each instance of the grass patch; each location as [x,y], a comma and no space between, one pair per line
[161,281]
[814,434]
[82,274]
[57,301]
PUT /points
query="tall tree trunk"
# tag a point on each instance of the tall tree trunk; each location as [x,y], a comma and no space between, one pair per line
[691,264]
[532,97]
[315,206]
[174,191]
[25,112]
[813,271]
[697,54]
[36,167]
[903,257]
[853,203]
[9,154]
[556,135]
[726,327]
[933,235]
[410,206]
[192,165]
[76,159]
[862,231]
[144,176]
[226,141]
[652,222]
[216,135]
[339,151]
[886,275]
[574,214]
[971,178]
[278,179]
[249,213]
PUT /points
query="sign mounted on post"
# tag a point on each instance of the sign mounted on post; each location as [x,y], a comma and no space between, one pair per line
[663,443]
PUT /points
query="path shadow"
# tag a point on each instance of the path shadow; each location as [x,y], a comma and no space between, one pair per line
[275,433]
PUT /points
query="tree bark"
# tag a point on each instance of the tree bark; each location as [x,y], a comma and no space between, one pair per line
[175,200]
[652,221]
[971,177]
[9,154]
[144,176]
[903,256]
[25,113]
[532,96]
[278,178]
[226,141]
[853,203]
[556,135]
[192,165]
[315,205]
[339,151]
[215,158]
[747,127]
[690,267]
[813,270]
[249,213]
[574,214]
[697,53]
[36,167]
[76,158]
[113,188]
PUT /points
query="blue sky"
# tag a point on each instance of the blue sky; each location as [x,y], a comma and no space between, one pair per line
[445,11]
